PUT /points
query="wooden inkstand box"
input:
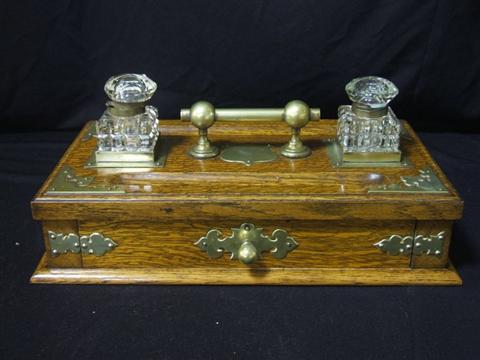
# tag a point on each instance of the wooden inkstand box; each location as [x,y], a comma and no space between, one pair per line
[247,196]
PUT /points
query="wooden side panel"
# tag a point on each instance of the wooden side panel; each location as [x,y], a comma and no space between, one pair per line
[322,244]
[68,260]
[427,228]
[284,207]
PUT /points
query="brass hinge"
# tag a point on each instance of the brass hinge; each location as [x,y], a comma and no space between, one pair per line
[95,244]
[407,245]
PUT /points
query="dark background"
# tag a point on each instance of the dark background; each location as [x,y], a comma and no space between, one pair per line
[55,58]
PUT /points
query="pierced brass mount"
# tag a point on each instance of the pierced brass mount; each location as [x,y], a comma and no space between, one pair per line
[426,181]
[95,244]
[247,243]
[203,115]
[407,245]
[68,182]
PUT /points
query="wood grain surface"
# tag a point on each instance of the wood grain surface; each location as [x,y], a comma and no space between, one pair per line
[307,188]
[328,210]
[265,276]
[321,244]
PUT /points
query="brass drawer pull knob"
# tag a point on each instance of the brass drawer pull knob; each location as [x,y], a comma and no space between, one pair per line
[247,243]
[247,253]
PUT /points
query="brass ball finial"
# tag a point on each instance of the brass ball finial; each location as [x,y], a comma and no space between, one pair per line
[296,114]
[202,116]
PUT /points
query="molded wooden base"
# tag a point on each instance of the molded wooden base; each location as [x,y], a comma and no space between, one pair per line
[271,276]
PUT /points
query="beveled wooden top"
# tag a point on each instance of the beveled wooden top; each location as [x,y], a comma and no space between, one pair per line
[307,188]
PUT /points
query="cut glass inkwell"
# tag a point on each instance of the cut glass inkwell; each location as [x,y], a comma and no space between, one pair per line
[368,130]
[127,132]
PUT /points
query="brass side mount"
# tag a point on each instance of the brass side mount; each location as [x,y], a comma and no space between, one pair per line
[407,245]
[94,244]
[296,114]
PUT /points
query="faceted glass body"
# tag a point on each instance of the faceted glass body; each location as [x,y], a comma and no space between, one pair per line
[128,133]
[127,124]
[364,134]
[369,124]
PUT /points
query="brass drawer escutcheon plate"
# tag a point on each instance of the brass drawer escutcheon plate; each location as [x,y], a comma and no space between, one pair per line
[247,243]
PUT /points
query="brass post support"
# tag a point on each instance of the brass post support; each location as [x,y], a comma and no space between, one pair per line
[202,116]
[297,114]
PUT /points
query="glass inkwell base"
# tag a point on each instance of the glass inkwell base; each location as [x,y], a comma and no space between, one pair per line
[127,133]
[368,131]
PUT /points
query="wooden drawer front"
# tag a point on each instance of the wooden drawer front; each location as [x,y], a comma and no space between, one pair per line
[321,244]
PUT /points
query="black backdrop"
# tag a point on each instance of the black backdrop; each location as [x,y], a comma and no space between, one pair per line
[58,54]
[55,58]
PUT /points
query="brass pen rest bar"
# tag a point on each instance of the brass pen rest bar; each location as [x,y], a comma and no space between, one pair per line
[260,114]
[296,114]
